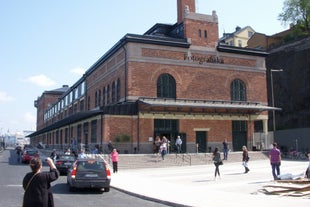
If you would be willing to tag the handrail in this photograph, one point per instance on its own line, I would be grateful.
(186, 158)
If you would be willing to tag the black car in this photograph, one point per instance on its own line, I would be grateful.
(89, 173)
(64, 162)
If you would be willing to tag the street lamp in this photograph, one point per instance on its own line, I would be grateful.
(272, 98)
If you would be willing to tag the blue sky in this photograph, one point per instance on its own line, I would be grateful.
(46, 44)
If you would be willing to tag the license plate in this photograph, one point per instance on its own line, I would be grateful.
(67, 163)
(91, 175)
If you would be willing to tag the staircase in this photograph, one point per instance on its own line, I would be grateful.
(134, 161)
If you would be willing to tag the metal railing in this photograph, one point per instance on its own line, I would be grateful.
(186, 158)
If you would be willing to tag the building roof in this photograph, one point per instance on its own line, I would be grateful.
(210, 105)
(235, 33)
(242, 50)
(66, 121)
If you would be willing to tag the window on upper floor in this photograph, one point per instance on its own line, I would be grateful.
(113, 92)
(166, 86)
(206, 34)
(99, 97)
(250, 34)
(118, 90)
(238, 90)
(96, 99)
(104, 94)
(199, 33)
(82, 103)
(108, 94)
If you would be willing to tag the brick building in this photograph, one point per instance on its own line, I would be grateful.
(173, 80)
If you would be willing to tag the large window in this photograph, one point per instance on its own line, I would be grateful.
(166, 86)
(108, 94)
(118, 90)
(238, 90)
(113, 92)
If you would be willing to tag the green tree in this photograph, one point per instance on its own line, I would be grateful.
(296, 12)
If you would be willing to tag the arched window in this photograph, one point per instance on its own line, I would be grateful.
(118, 90)
(166, 86)
(238, 90)
(113, 92)
(108, 94)
(99, 98)
(104, 94)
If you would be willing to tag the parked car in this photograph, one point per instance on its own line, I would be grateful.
(89, 173)
(28, 146)
(64, 162)
(29, 154)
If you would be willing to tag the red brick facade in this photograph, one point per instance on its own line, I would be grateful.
(122, 92)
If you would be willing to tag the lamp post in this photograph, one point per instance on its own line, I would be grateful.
(272, 98)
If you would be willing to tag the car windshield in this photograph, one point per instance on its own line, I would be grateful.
(66, 157)
(90, 165)
(31, 152)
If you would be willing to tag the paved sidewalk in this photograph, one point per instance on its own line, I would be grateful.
(195, 185)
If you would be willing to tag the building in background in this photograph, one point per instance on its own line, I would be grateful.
(175, 79)
(238, 38)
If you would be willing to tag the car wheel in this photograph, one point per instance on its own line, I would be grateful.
(107, 189)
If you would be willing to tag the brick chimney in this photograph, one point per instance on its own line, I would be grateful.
(185, 4)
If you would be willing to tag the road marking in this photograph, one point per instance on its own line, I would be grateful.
(14, 185)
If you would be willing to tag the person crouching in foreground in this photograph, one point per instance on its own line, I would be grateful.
(37, 184)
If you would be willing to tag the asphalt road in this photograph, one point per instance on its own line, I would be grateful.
(11, 191)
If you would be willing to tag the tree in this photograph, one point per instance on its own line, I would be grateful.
(296, 12)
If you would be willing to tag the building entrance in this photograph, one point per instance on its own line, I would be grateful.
(239, 135)
(169, 129)
(201, 141)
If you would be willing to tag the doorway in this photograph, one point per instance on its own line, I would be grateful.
(201, 141)
(239, 134)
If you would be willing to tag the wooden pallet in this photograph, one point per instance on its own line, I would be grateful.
(297, 188)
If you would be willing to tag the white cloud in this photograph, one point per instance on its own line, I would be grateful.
(41, 80)
(78, 71)
(4, 97)
(30, 118)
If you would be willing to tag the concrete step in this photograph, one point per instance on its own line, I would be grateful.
(133, 161)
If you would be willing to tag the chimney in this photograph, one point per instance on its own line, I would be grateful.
(185, 4)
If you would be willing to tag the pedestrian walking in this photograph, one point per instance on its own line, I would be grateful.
(217, 162)
(157, 144)
(114, 158)
(19, 153)
(245, 159)
(110, 146)
(275, 160)
(178, 144)
(54, 155)
(163, 149)
(225, 149)
(37, 184)
(82, 154)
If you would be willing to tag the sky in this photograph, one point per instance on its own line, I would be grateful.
(47, 44)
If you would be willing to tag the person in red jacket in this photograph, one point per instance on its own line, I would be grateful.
(114, 158)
